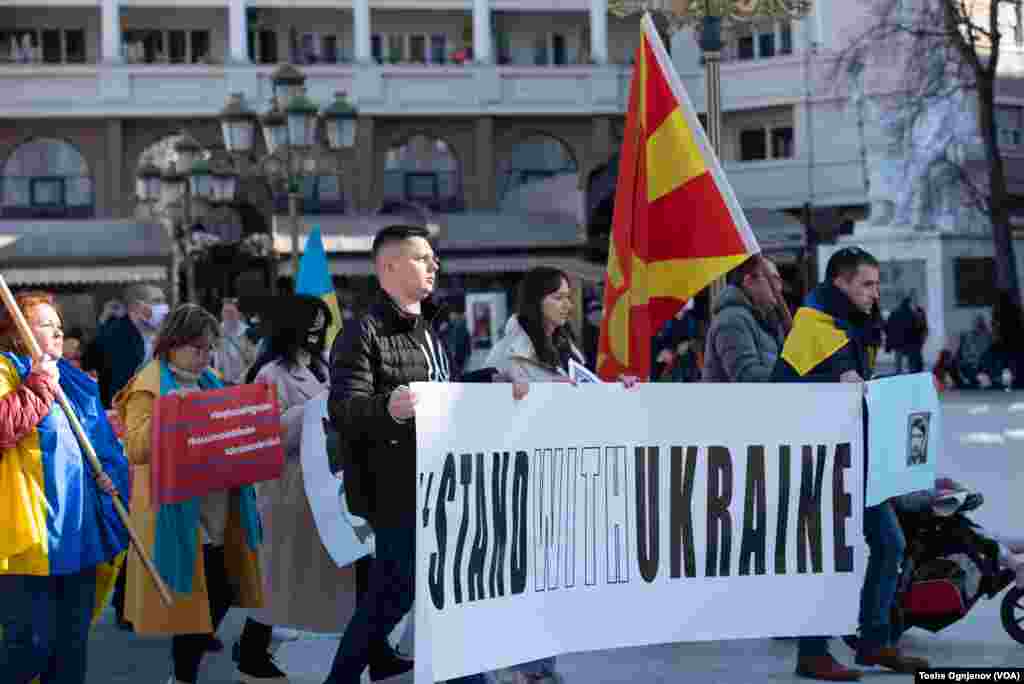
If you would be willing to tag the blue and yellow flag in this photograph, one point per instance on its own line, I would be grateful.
(315, 279)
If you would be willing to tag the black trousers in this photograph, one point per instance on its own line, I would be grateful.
(187, 650)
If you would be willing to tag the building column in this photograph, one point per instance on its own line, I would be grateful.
(116, 168)
(366, 162)
(361, 31)
(238, 31)
(483, 143)
(110, 29)
(482, 32)
(599, 31)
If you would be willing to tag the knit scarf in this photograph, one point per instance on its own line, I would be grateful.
(177, 540)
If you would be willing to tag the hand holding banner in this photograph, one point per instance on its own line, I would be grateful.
(215, 440)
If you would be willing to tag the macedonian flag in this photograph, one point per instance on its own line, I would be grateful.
(677, 225)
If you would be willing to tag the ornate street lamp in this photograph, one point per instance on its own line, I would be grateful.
(238, 125)
(173, 184)
(290, 135)
(225, 184)
(301, 113)
(201, 180)
(340, 121)
(147, 182)
(287, 81)
(275, 127)
(188, 151)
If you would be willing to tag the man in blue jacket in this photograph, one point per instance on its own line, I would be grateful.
(831, 342)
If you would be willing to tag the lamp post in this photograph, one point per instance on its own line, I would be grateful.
(172, 193)
(290, 134)
(710, 16)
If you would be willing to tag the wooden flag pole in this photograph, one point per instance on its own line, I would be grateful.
(35, 352)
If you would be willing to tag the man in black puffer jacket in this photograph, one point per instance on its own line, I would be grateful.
(373, 362)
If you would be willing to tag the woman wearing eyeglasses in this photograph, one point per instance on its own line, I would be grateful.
(205, 547)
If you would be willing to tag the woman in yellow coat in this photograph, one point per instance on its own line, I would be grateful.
(205, 548)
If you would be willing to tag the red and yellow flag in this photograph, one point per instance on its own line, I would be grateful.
(677, 225)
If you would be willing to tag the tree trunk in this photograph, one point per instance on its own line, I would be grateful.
(1002, 235)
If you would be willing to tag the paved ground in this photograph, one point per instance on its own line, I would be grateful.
(984, 448)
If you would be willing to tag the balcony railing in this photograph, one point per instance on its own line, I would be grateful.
(201, 90)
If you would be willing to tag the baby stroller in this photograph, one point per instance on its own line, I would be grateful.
(950, 564)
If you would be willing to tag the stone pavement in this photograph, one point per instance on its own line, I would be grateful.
(991, 464)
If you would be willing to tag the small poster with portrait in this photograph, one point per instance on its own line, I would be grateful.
(486, 313)
(904, 436)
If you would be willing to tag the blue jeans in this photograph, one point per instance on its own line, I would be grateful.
(45, 623)
(388, 598)
(887, 545)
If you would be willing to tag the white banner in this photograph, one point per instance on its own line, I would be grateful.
(595, 517)
(346, 537)
(904, 435)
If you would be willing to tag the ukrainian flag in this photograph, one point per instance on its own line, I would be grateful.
(315, 279)
(55, 519)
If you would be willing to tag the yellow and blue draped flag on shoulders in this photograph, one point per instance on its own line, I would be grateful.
(816, 337)
(56, 519)
(315, 279)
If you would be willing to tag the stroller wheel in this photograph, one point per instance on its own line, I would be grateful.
(1013, 614)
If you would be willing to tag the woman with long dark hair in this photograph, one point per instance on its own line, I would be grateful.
(537, 347)
(303, 587)
(539, 342)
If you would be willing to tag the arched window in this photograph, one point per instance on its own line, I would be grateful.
(423, 171)
(535, 158)
(46, 178)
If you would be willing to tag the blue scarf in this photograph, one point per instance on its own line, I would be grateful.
(176, 541)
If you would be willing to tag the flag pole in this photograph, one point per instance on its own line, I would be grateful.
(35, 352)
(711, 47)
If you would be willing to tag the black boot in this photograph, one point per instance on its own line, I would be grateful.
(385, 663)
(252, 653)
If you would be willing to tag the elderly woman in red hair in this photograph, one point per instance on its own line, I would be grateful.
(62, 539)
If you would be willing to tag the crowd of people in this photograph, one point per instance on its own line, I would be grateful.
(257, 547)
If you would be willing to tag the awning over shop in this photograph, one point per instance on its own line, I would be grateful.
(466, 264)
(477, 231)
(70, 252)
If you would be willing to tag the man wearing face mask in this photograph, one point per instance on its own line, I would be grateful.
(123, 344)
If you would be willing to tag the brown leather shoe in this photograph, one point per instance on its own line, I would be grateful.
(826, 668)
(890, 658)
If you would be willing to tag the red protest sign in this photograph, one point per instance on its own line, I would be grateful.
(215, 440)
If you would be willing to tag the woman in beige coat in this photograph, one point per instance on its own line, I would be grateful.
(303, 587)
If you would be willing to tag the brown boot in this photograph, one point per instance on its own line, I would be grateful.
(890, 658)
(825, 667)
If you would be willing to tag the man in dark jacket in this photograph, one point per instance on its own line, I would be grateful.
(830, 342)
(905, 334)
(373, 362)
(123, 343)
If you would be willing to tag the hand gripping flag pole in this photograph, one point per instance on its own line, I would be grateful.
(30, 341)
